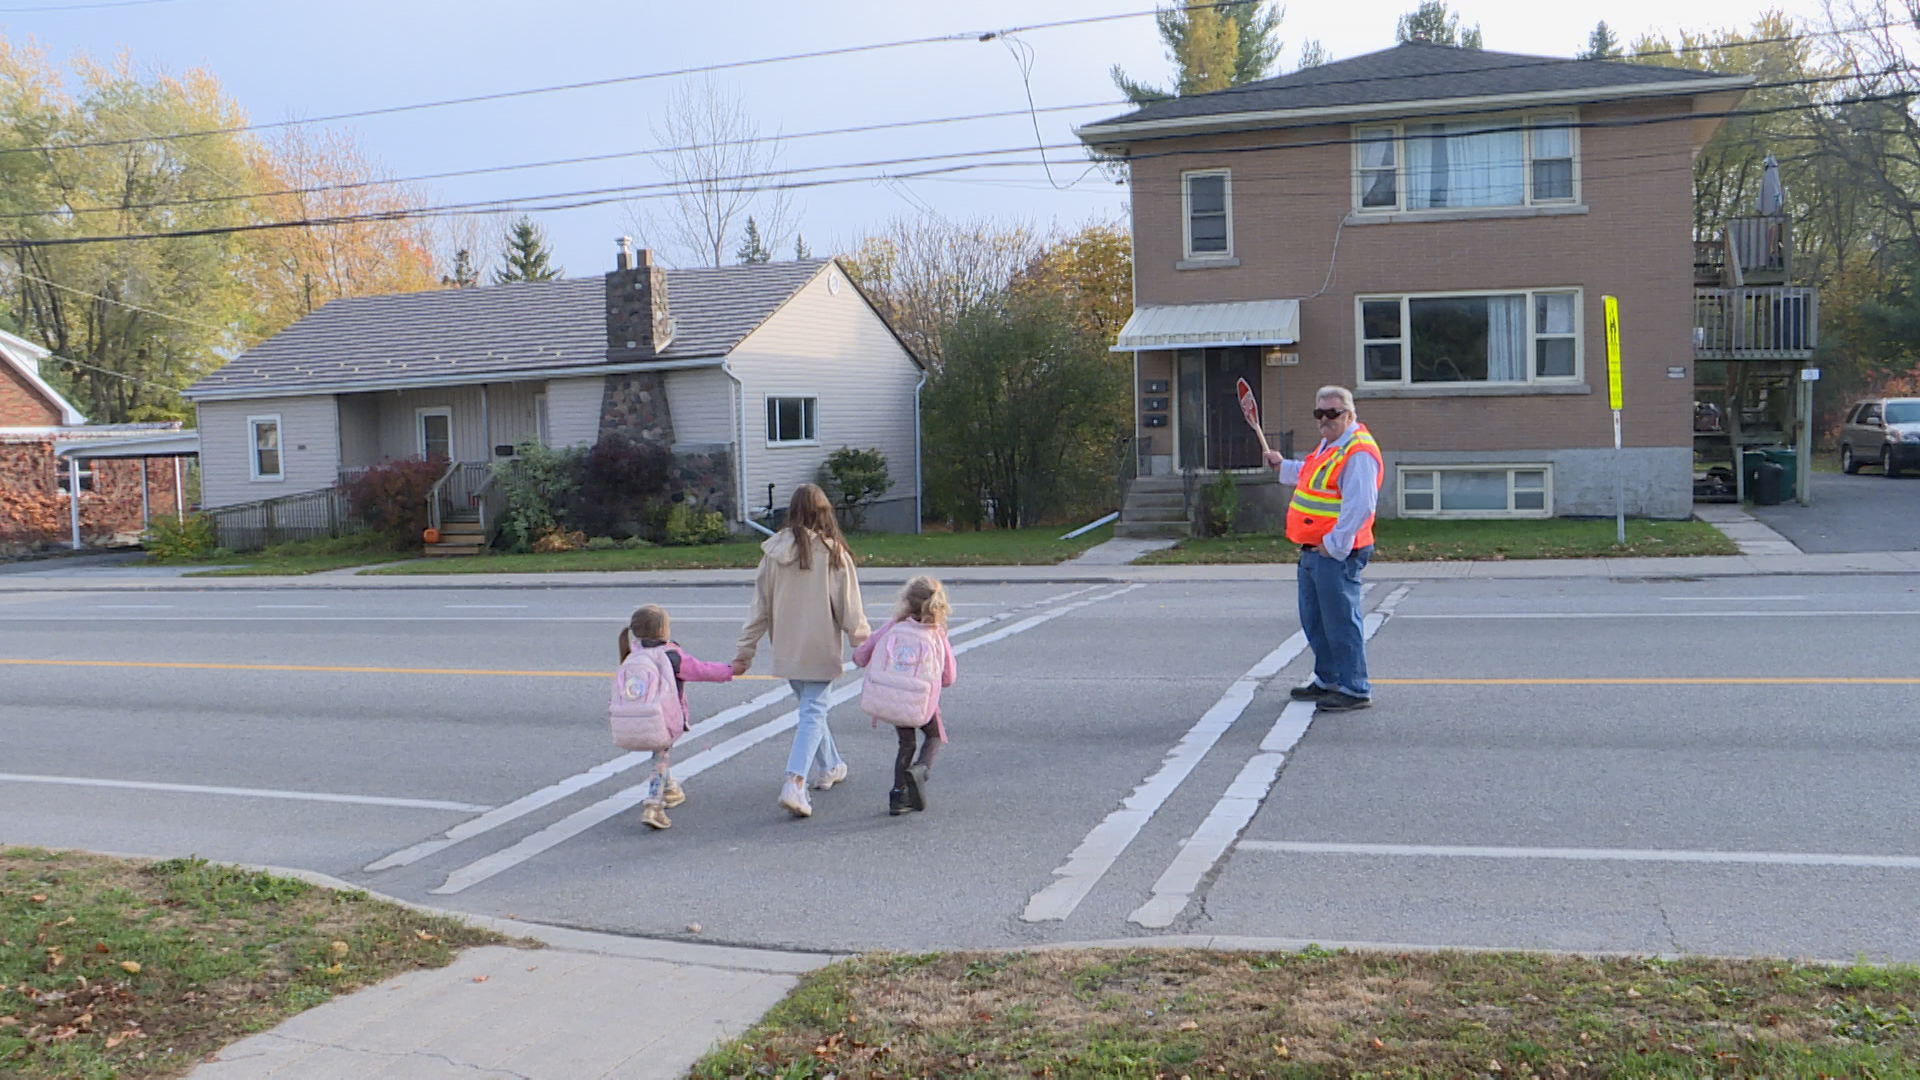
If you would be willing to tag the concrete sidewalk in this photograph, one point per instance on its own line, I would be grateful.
(586, 1006)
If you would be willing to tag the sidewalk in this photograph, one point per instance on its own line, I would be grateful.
(586, 1006)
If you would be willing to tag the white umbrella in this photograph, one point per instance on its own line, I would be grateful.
(1772, 196)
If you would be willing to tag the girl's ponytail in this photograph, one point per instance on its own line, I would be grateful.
(626, 644)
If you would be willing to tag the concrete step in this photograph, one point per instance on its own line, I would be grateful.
(1154, 514)
(1155, 498)
(1157, 483)
(442, 550)
(1152, 530)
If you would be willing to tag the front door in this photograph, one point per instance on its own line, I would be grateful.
(436, 433)
(1212, 433)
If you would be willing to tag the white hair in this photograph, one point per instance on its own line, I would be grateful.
(1339, 393)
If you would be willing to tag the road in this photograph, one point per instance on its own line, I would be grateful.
(1868, 511)
(1721, 766)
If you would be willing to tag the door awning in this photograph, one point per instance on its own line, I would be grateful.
(1199, 326)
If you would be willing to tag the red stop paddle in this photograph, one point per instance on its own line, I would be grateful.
(1250, 409)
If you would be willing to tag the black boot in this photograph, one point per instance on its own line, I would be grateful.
(897, 802)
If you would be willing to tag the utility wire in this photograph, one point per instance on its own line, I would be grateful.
(57, 8)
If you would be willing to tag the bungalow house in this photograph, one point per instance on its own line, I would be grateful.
(751, 374)
(1435, 228)
(125, 473)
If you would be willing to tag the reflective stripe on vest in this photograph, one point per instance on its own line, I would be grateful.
(1316, 497)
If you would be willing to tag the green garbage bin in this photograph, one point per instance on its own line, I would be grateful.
(1788, 459)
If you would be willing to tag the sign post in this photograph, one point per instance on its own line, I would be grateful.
(1613, 398)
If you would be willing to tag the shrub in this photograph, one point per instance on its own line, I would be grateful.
(170, 538)
(853, 479)
(602, 543)
(1220, 504)
(536, 482)
(617, 477)
(392, 498)
(687, 524)
(635, 543)
(560, 540)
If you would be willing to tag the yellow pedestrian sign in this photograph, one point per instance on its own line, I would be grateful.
(1613, 350)
(1613, 396)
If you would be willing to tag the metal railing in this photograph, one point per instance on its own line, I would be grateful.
(306, 516)
(1127, 466)
(1756, 322)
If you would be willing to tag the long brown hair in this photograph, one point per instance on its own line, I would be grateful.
(810, 514)
(648, 623)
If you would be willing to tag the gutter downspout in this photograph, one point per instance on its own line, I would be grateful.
(919, 468)
(739, 447)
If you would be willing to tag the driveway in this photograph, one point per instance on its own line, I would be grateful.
(1864, 512)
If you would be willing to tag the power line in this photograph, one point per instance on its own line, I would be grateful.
(57, 8)
(117, 303)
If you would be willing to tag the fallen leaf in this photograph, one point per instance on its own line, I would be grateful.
(339, 948)
(1281, 1048)
(1632, 993)
(68, 921)
(1377, 1044)
(62, 1034)
(131, 967)
(481, 978)
(423, 935)
(693, 928)
(8, 1021)
(101, 947)
(1189, 1025)
(38, 898)
(336, 969)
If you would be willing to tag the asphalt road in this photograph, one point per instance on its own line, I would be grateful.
(1124, 763)
(1867, 511)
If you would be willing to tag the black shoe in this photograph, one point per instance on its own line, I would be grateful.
(1312, 691)
(1341, 701)
(897, 802)
(916, 787)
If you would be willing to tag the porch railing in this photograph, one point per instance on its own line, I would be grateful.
(1756, 322)
(307, 516)
(1761, 247)
(467, 487)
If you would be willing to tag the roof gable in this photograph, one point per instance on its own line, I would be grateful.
(1409, 75)
(24, 358)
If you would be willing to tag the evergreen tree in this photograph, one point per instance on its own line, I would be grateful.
(1313, 54)
(1432, 22)
(752, 248)
(800, 248)
(1213, 46)
(464, 275)
(527, 258)
(1602, 44)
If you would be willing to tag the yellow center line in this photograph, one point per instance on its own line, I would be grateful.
(1708, 680)
(340, 669)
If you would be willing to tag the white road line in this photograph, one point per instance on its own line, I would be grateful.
(1442, 851)
(1660, 614)
(484, 607)
(129, 607)
(581, 820)
(614, 620)
(1204, 849)
(560, 789)
(249, 793)
(293, 607)
(1729, 599)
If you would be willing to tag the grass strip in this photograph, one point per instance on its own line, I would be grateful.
(307, 557)
(988, 547)
(123, 968)
(1192, 1014)
(1411, 540)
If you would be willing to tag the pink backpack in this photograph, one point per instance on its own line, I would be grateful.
(904, 674)
(645, 708)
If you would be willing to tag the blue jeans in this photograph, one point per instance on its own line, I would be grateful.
(812, 742)
(1330, 617)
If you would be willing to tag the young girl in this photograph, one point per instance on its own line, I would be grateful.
(651, 628)
(923, 601)
(806, 599)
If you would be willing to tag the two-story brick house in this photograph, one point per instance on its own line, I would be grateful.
(1435, 228)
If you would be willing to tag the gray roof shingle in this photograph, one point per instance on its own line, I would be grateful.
(1410, 73)
(523, 330)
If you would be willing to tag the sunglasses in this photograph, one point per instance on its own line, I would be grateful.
(1329, 414)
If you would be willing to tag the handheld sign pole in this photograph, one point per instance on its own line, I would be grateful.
(1613, 397)
(1250, 409)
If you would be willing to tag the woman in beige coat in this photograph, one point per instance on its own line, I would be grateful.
(806, 598)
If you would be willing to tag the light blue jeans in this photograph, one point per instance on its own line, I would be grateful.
(812, 742)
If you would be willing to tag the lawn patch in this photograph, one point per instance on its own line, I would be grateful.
(122, 968)
(1155, 1013)
(1412, 540)
(308, 557)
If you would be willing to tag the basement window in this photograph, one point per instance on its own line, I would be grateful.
(1476, 491)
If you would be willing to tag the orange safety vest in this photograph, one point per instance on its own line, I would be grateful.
(1316, 497)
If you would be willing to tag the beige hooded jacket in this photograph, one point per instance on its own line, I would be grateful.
(804, 612)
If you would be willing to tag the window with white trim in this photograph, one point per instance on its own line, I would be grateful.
(1521, 159)
(540, 429)
(1476, 491)
(1469, 338)
(790, 420)
(1207, 198)
(63, 476)
(263, 442)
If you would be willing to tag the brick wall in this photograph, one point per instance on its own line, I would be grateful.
(21, 405)
(1634, 242)
(34, 512)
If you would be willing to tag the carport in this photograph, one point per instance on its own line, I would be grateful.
(175, 445)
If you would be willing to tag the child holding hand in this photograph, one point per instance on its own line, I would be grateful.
(661, 717)
(908, 661)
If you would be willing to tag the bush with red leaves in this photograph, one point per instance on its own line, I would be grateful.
(392, 498)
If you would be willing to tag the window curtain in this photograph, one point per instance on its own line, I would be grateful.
(1506, 339)
(1452, 165)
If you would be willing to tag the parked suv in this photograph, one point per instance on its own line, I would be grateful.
(1884, 432)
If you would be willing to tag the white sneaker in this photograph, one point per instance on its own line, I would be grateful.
(793, 797)
(830, 777)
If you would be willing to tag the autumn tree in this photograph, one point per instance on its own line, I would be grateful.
(1433, 23)
(527, 256)
(1212, 46)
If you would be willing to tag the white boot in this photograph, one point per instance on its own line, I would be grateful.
(793, 797)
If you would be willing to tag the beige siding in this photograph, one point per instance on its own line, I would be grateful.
(832, 347)
(309, 448)
(400, 424)
(701, 400)
(510, 412)
(573, 410)
(359, 430)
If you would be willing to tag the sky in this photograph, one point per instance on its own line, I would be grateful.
(283, 60)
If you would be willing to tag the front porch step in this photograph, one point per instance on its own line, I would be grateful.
(1152, 530)
(453, 529)
(443, 549)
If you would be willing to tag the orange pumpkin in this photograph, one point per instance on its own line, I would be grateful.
(431, 536)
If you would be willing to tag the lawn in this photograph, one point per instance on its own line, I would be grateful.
(307, 557)
(122, 968)
(1408, 540)
(1192, 1014)
(991, 547)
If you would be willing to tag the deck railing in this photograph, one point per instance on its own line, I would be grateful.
(1756, 322)
(1762, 247)
(307, 516)
(466, 487)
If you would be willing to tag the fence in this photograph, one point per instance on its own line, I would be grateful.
(307, 516)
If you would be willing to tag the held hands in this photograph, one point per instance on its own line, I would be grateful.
(1273, 459)
(740, 667)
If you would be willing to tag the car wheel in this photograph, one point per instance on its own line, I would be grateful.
(1848, 463)
(1887, 460)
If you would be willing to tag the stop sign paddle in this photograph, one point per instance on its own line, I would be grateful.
(1250, 409)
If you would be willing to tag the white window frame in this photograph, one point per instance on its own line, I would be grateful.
(1533, 336)
(420, 428)
(541, 425)
(1546, 489)
(1186, 214)
(1528, 120)
(253, 448)
(810, 410)
(62, 475)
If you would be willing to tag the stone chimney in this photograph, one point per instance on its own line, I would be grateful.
(638, 324)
